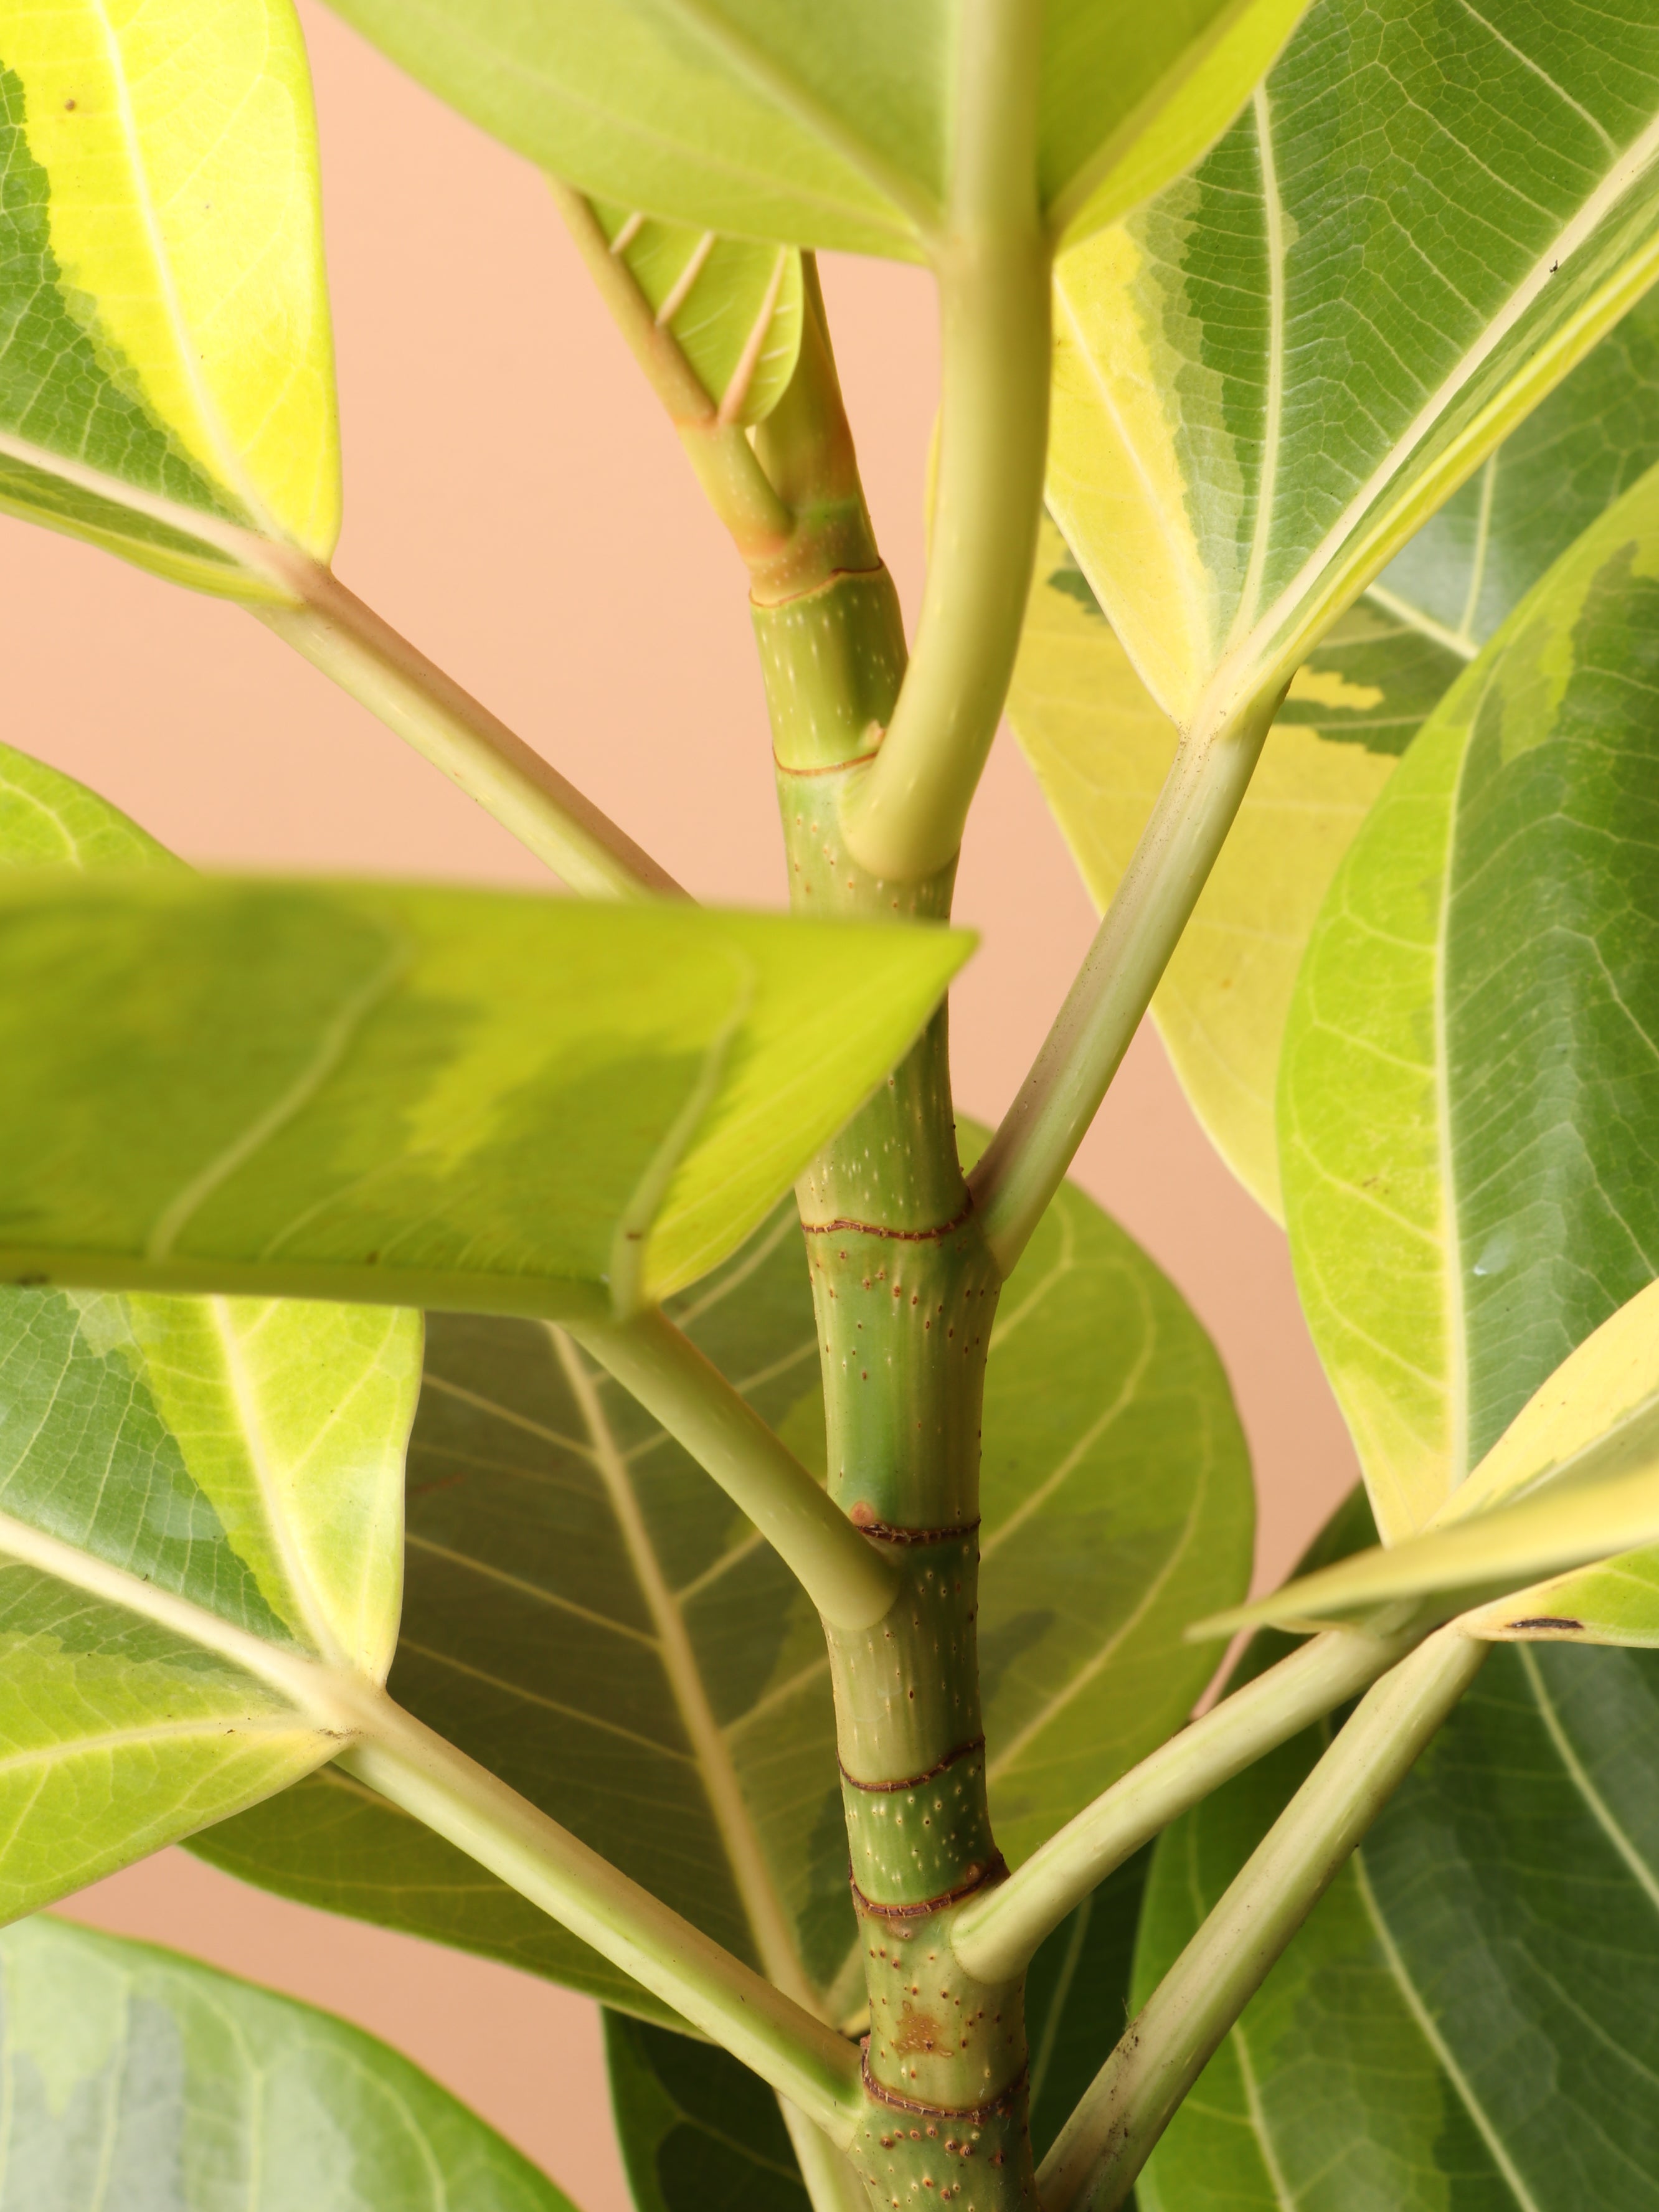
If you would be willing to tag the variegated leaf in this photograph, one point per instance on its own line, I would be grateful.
(167, 381)
(1101, 747)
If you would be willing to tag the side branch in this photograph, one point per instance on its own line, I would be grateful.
(996, 1935)
(366, 657)
(904, 816)
(1026, 1161)
(847, 1579)
(406, 1762)
(1107, 2141)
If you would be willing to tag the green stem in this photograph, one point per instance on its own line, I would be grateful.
(1108, 2139)
(383, 672)
(417, 1770)
(832, 2185)
(1026, 1161)
(903, 814)
(996, 1934)
(848, 1582)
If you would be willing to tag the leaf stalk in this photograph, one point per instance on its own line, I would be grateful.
(1109, 2138)
(903, 815)
(1026, 1161)
(414, 1768)
(847, 1579)
(996, 1935)
(367, 657)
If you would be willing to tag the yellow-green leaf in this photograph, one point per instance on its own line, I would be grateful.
(1574, 1478)
(201, 1517)
(733, 307)
(166, 385)
(1268, 378)
(1101, 747)
(831, 126)
(1467, 1115)
(422, 1096)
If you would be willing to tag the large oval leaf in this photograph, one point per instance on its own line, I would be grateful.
(200, 1518)
(167, 378)
(137, 2077)
(587, 1613)
(1267, 380)
(1468, 1113)
(1466, 2018)
(1101, 747)
(781, 119)
(432, 1096)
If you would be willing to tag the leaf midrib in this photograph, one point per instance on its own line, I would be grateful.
(188, 351)
(1231, 675)
(1423, 2021)
(758, 1892)
(321, 1695)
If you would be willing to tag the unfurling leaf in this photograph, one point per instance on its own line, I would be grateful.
(1467, 1112)
(600, 1623)
(201, 1505)
(785, 120)
(197, 2091)
(1101, 747)
(431, 1097)
(732, 307)
(166, 379)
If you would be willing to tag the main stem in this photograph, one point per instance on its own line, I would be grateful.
(905, 1289)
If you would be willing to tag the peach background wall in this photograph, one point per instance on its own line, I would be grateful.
(515, 505)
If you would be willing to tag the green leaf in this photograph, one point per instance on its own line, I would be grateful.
(1268, 378)
(832, 127)
(1465, 1115)
(200, 1518)
(439, 1097)
(591, 1617)
(697, 2131)
(732, 307)
(166, 375)
(1101, 747)
(1466, 2018)
(138, 2077)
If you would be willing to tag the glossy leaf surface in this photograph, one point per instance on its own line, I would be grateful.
(1467, 1115)
(442, 1097)
(588, 1615)
(1466, 2019)
(1574, 1479)
(1271, 375)
(166, 379)
(1101, 747)
(137, 2077)
(243, 1460)
(733, 307)
(824, 126)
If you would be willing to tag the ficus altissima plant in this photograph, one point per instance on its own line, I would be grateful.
(530, 1420)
